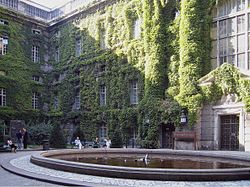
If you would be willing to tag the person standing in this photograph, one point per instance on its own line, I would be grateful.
(25, 138)
(78, 143)
(108, 142)
(19, 136)
(96, 143)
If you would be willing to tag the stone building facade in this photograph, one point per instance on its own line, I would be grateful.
(84, 64)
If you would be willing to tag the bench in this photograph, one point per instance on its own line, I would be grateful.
(5, 148)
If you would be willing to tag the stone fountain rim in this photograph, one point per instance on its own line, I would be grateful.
(44, 160)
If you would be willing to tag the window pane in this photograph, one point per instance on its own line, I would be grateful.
(240, 5)
(78, 47)
(248, 61)
(223, 60)
(248, 20)
(103, 95)
(2, 97)
(231, 8)
(222, 28)
(231, 26)
(134, 92)
(137, 29)
(241, 60)
(231, 59)
(241, 24)
(223, 47)
(222, 9)
(77, 101)
(103, 39)
(241, 43)
(231, 45)
(248, 41)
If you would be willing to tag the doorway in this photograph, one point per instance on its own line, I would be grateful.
(230, 132)
(167, 136)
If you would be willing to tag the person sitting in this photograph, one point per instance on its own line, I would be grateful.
(78, 143)
(12, 145)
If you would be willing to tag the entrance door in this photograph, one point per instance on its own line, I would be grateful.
(230, 132)
(167, 136)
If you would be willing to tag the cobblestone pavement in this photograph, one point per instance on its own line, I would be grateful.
(21, 161)
(9, 179)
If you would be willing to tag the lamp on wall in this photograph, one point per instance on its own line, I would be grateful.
(184, 116)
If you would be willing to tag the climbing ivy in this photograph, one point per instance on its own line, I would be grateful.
(167, 61)
(18, 68)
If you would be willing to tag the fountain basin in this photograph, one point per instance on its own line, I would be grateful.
(46, 160)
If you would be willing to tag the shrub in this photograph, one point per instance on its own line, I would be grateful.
(117, 139)
(57, 139)
(39, 132)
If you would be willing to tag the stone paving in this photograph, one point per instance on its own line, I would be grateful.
(9, 179)
(23, 163)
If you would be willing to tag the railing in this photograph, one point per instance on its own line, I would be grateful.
(44, 13)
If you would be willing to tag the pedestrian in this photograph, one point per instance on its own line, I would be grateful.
(78, 143)
(96, 143)
(12, 145)
(108, 142)
(19, 137)
(25, 138)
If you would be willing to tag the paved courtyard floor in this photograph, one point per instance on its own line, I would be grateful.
(19, 164)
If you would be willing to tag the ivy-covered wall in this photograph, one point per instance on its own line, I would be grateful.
(125, 59)
(17, 67)
(167, 62)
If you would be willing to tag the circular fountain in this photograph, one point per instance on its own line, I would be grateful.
(135, 164)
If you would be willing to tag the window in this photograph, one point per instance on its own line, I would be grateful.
(77, 100)
(231, 39)
(137, 29)
(57, 33)
(102, 95)
(57, 77)
(35, 78)
(2, 97)
(35, 54)
(3, 22)
(34, 100)
(2, 73)
(3, 45)
(57, 55)
(10, 3)
(36, 31)
(103, 39)
(78, 47)
(77, 73)
(103, 131)
(102, 68)
(240, 5)
(56, 102)
(133, 92)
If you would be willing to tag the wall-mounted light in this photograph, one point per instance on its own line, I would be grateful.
(184, 116)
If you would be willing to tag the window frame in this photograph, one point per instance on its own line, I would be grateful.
(3, 96)
(35, 99)
(35, 54)
(133, 94)
(103, 95)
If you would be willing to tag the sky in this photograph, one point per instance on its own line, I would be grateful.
(51, 3)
